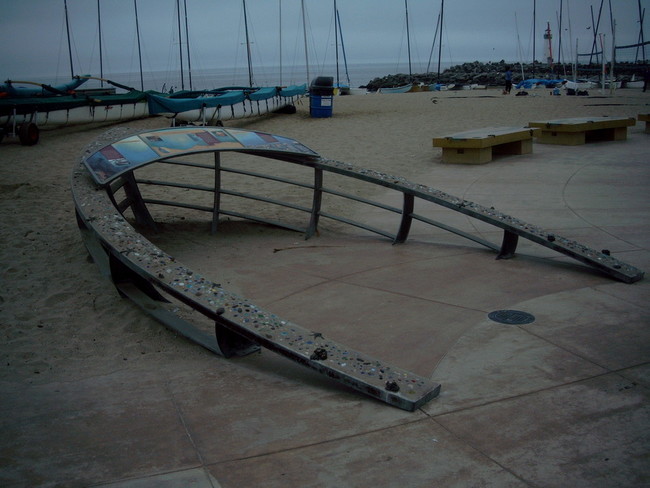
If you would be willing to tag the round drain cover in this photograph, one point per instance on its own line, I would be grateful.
(512, 317)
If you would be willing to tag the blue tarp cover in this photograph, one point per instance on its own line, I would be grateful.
(293, 90)
(10, 91)
(263, 93)
(536, 81)
(160, 104)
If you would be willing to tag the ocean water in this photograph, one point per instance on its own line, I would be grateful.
(359, 74)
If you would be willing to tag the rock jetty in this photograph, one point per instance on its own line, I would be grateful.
(491, 74)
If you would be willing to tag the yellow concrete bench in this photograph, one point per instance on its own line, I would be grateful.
(645, 118)
(478, 146)
(572, 132)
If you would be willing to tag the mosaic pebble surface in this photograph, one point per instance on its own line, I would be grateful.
(584, 123)
(598, 259)
(390, 384)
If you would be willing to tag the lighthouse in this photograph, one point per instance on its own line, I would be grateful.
(548, 49)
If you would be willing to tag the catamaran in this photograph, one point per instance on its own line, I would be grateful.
(211, 107)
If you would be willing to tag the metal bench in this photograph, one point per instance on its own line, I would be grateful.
(478, 146)
(576, 131)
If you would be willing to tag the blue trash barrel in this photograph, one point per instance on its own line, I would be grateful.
(321, 97)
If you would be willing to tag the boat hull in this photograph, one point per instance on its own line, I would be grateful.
(248, 108)
(397, 89)
(78, 115)
(225, 104)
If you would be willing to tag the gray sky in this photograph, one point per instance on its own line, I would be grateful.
(33, 34)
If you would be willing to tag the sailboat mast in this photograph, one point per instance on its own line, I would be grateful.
(336, 44)
(534, 33)
(408, 39)
(248, 47)
(345, 58)
(559, 40)
(519, 50)
(137, 31)
(595, 27)
(641, 39)
(613, 59)
(304, 35)
(67, 28)
(442, 12)
(280, 22)
(101, 58)
(433, 44)
(187, 44)
(180, 42)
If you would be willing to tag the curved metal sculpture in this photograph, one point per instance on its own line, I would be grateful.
(150, 277)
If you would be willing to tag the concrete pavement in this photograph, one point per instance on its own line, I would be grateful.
(562, 401)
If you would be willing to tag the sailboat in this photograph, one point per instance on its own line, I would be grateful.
(24, 110)
(340, 88)
(68, 108)
(210, 107)
(409, 86)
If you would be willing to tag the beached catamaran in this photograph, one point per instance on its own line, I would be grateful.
(211, 107)
(24, 110)
(23, 116)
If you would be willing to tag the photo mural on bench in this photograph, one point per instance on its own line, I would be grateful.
(151, 278)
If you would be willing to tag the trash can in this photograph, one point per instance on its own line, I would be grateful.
(321, 96)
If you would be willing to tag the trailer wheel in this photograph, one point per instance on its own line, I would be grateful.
(28, 134)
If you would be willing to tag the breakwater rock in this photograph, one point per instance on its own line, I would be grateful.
(492, 74)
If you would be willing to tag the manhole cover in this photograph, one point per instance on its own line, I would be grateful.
(512, 317)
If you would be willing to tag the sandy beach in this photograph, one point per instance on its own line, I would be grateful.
(85, 374)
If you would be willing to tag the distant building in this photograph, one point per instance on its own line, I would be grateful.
(548, 49)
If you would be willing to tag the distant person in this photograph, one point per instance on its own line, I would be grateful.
(646, 78)
(508, 87)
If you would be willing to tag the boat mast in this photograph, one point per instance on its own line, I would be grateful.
(137, 31)
(594, 46)
(442, 13)
(345, 59)
(67, 28)
(641, 40)
(433, 44)
(101, 58)
(304, 35)
(534, 33)
(280, 22)
(248, 47)
(187, 43)
(613, 60)
(336, 45)
(559, 39)
(519, 50)
(180, 42)
(408, 39)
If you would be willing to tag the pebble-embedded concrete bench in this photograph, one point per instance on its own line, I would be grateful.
(106, 183)
(478, 146)
(645, 118)
(576, 131)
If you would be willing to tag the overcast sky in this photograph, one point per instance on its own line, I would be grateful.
(34, 43)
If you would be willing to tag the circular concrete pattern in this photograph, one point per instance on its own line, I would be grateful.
(511, 317)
